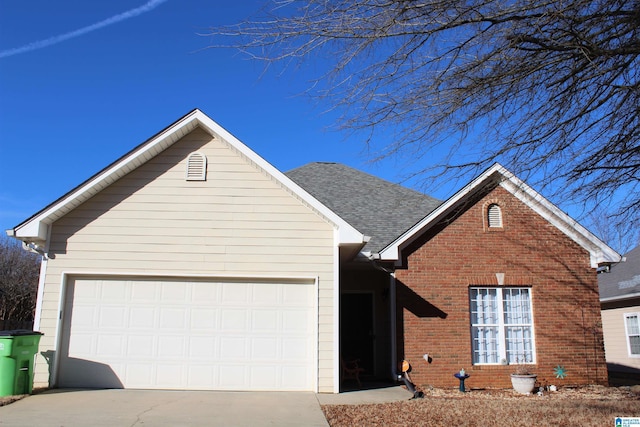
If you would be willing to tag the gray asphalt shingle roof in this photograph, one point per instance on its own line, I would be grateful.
(623, 279)
(375, 207)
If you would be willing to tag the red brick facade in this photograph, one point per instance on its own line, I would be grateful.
(433, 296)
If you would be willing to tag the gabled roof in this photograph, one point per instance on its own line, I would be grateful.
(35, 229)
(378, 208)
(623, 280)
(498, 175)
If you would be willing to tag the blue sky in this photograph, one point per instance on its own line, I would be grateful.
(83, 82)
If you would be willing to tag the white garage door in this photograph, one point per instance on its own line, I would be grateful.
(192, 335)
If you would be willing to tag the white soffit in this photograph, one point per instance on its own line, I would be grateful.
(36, 227)
(599, 251)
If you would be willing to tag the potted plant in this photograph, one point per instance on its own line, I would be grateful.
(522, 380)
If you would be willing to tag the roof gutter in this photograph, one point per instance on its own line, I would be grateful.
(620, 297)
(34, 248)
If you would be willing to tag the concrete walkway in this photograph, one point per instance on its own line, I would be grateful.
(115, 408)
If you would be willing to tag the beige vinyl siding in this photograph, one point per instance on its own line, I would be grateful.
(615, 338)
(152, 221)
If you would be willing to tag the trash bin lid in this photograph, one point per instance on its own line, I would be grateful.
(19, 332)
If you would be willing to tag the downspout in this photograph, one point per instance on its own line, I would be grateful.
(44, 262)
(392, 322)
(336, 321)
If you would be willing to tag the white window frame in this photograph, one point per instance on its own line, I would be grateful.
(501, 355)
(628, 334)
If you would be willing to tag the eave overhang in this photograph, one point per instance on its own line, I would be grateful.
(600, 253)
(35, 229)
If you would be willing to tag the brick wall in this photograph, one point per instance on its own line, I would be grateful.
(433, 296)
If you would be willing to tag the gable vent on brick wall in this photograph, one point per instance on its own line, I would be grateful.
(494, 216)
(196, 167)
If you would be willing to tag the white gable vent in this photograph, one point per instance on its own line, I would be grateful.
(494, 215)
(196, 167)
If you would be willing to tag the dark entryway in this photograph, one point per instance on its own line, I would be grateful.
(357, 340)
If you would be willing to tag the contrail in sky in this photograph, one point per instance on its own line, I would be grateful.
(150, 5)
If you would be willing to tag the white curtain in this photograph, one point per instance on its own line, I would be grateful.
(517, 321)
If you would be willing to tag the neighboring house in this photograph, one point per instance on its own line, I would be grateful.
(620, 301)
(192, 263)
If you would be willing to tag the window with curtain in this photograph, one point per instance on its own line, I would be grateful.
(632, 326)
(501, 325)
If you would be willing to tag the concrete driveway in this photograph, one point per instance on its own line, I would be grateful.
(115, 408)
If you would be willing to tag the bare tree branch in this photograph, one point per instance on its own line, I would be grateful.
(550, 88)
(19, 272)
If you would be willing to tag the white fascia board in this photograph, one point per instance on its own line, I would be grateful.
(347, 234)
(620, 297)
(36, 227)
(392, 251)
(36, 230)
(599, 252)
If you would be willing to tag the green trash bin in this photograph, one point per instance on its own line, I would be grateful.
(17, 351)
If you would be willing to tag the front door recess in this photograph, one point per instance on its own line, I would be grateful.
(357, 330)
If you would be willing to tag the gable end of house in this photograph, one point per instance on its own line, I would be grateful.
(497, 175)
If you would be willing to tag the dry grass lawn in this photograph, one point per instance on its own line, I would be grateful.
(586, 406)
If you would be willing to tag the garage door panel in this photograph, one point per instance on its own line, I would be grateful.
(169, 375)
(264, 376)
(141, 346)
(265, 320)
(204, 319)
(142, 317)
(296, 321)
(233, 320)
(84, 343)
(231, 376)
(111, 345)
(84, 315)
(234, 293)
(233, 348)
(200, 348)
(171, 347)
(173, 318)
(297, 376)
(113, 317)
(294, 349)
(200, 376)
(113, 292)
(266, 349)
(189, 335)
(144, 291)
(263, 295)
(205, 293)
(138, 375)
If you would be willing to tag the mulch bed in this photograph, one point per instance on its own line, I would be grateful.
(584, 406)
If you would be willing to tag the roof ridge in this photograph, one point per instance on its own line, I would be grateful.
(358, 171)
